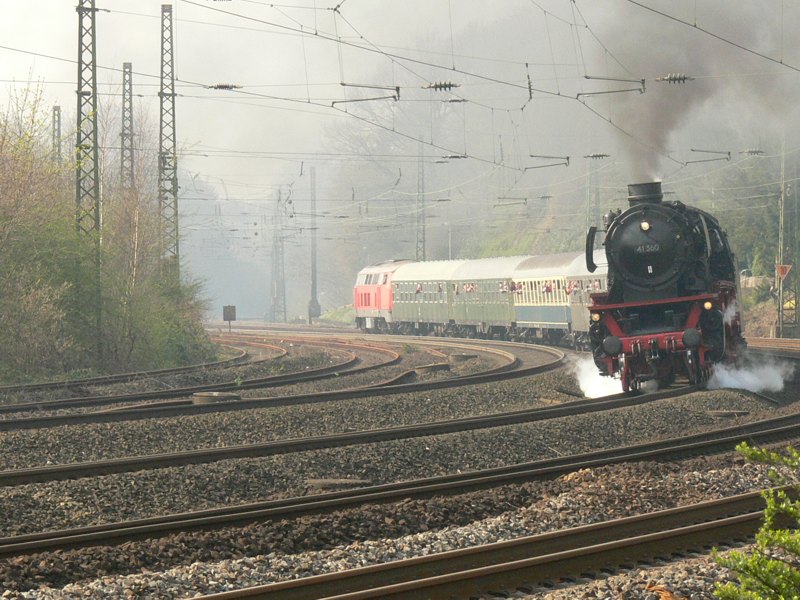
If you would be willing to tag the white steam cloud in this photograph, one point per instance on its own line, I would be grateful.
(592, 384)
(756, 375)
(730, 312)
(762, 376)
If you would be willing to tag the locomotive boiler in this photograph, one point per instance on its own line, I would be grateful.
(670, 307)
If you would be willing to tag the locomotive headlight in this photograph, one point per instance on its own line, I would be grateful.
(707, 305)
(595, 317)
(645, 226)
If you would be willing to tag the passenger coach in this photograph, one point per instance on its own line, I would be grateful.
(465, 298)
(552, 296)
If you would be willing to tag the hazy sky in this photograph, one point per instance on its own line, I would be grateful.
(290, 58)
(533, 78)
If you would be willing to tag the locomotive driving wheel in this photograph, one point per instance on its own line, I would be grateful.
(698, 373)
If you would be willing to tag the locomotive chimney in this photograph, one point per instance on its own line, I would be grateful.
(644, 193)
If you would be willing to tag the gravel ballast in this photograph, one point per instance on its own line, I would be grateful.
(183, 564)
(64, 504)
(263, 553)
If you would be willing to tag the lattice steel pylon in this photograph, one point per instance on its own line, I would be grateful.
(126, 135)
(87, 186)
(87, 163)
(167, 156)
(278, 285)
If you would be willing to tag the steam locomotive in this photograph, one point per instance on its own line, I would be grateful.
(670, 307)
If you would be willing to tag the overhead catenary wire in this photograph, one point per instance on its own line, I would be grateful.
(306, 101)
(715, 36)
(340, 42)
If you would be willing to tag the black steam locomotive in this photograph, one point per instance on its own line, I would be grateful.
(670, 307)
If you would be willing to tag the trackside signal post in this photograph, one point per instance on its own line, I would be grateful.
(314, 309)
(229, 314)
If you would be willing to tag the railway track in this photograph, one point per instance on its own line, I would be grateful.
(199, 456)
(185, 405)
(347, 360)
(347, 364)
(725, 439)
(498, 570)
(240, 355)
(161, 461)
(147, 528)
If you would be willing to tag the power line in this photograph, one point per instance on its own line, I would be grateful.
(374, 49)
(715, 36)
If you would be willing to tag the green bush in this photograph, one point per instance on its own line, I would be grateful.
(772, 570)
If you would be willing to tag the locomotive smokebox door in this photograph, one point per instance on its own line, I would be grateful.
(229, 314)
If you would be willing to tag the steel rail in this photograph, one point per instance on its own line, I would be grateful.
(499, 567)
(349, 360)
